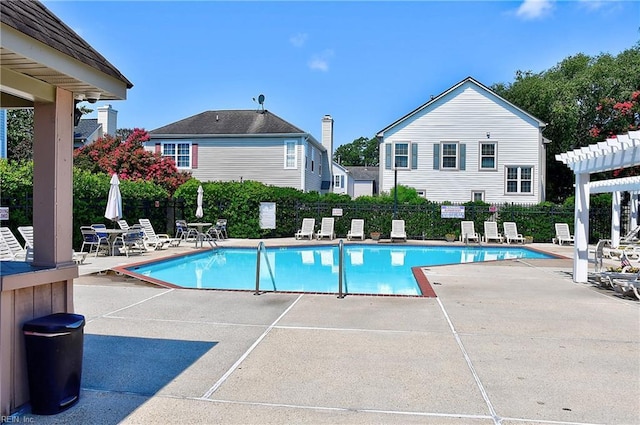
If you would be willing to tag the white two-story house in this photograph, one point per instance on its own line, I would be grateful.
(466, 144)
(237, 145)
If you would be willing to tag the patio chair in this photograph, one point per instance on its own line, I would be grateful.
(631, 236)
(151, 238)
(123, 224)
(468, 232)
(184, 232)
(357, 229)
(92, 240)
(562, 234)
(599, 253)
(15, 250)
(326, 228)
(133, 240)
(626, 284)
(397, 230)
(511, 232)
(5, 251)
(306, 230)
(491, 232)
(221, 226)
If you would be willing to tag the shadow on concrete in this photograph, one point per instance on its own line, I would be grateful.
(136, 365)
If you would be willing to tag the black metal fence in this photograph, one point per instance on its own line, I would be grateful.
(422, 221)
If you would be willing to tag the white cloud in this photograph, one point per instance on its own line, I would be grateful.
(595, 5)
(298, 39)
(533, 9)
(320, 61)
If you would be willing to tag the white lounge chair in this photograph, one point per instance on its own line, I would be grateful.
(563, 234)
(14, 251)
(468, 232)
(627, 284)
(357, 229)
(326, 228)
(123, 224)
(397, 230)
(307, 228)
(631, 236)
(511, 232)
(151, 238)
(491, 232)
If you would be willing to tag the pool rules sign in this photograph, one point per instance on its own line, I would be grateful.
(267, 215)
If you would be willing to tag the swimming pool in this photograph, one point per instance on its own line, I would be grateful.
(368, 269)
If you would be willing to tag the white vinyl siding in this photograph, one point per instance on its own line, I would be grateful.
(290, 154)
(180, 152)
(465, 116)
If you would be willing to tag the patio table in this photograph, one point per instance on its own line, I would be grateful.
(201, 236)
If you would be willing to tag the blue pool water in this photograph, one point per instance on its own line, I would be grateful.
(368, 269)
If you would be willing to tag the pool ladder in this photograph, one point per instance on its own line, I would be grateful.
(261, 248)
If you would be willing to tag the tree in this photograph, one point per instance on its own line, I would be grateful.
(575, 97)
(360, 152)
(20, 134)
(130, 160)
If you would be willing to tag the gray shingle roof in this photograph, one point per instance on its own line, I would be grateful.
(35, 20)
(85, 128)
(240, 122)
(363, 173)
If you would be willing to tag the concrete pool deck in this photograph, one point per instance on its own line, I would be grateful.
(510, 342)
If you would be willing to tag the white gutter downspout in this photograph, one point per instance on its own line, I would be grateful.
(303, 173)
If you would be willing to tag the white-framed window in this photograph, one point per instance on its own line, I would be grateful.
(477, 195)
(290, 154)
(449, 156)
(179, 151)
(401, 155)
(338, 181)
(519, 179)
(488, 155)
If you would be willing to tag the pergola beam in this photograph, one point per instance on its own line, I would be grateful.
(621, 151)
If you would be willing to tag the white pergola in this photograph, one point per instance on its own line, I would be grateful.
(622, 151)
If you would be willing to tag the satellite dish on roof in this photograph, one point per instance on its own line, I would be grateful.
(260, 101)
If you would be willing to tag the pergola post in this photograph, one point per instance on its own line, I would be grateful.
(581, 229)
(615, 219)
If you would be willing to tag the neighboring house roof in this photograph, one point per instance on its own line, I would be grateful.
(364, 173)
(85, 128)
(34, 20)
(229, 122)
(468, 80)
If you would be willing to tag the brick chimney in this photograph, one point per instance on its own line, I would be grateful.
(108, 118)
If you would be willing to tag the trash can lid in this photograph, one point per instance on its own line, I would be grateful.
(54, 323)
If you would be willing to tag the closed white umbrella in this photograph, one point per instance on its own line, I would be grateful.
(114, 201)
(199, 212)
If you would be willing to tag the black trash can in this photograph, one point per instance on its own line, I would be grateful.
(54, 361)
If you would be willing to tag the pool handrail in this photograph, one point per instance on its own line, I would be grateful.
(261, 247)
(340, 267)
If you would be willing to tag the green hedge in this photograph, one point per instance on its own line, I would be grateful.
(239, 203)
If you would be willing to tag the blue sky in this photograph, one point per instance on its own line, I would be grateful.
(365, 63)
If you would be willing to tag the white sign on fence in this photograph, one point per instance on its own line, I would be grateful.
(336, 212)
(452, 211)
(4, 213)
(267, 215)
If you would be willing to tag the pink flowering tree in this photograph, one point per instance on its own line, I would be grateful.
(130, 160)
